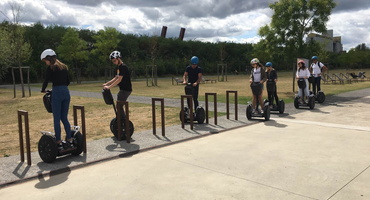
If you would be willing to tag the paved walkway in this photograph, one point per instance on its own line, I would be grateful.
(319, 154)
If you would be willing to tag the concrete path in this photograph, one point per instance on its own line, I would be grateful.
(319, 154)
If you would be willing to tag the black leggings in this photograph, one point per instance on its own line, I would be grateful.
(271, 96)
(195, 97)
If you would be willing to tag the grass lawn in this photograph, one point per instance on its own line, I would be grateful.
(98, 115)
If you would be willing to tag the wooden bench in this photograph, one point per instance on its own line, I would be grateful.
(345, 77)
(177, 80)
(337, 78)
(205, 80)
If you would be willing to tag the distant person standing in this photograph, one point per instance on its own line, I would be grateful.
(193, 75)
(272, 79)
(57, 73)
(316, 69)
(257, 78)
(303, 73)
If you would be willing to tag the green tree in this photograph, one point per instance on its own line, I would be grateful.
(74, 50)
(20, 49)
(4, 51)
(292, 21)
(106, 41)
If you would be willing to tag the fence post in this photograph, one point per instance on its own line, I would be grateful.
(228, 104)
(162, 115)
(83, 124)
(127, 122)
(190, 99)
(20, 126)
(214, 106)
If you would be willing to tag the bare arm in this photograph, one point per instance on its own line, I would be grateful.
(114, 81)
(184, 77)
(200, 75)
(110, 82)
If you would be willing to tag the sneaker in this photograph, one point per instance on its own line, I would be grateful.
(71, 144)
(60, 147)
(67, 145)
(260, 111)
(253, 111)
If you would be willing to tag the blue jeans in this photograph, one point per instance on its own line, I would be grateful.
(60, 104)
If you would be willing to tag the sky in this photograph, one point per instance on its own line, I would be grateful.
(204, 20)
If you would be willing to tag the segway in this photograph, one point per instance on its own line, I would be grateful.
(256, 90)
(48, 147)
(199, 115)
(311, 98)
(320, 96)
(271, 87)
(108, 98)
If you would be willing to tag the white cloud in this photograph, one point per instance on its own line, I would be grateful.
(209, 20)
(353, 27)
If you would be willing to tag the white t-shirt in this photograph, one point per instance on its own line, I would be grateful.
(316, 68)
(257, 74)
(303, 73)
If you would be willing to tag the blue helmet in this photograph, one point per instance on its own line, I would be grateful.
(268, 64)
(194, 60)
(314, 58)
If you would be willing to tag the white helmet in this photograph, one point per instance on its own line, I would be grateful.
(47, 52)
(115, 54)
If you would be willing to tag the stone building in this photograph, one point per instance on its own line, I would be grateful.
(331, 43)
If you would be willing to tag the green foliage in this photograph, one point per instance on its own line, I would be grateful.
(106, 41)
(72, 48)
(4, 51)
(358, 57)
(291, 21)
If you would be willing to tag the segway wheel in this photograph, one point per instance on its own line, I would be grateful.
(266, 112)
(48, 149)
(296, 102)
(249, 112)
(78, 142)
(200, 115)
(321, 97)
(114, 128)
(186, 115)
(311, 102)
(281, 106)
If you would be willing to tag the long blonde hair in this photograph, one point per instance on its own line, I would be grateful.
(56, 64)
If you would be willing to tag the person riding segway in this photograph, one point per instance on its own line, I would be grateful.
(272, 78)
(192, 77)
(123, 80)
(316, 69)
(304, 98)
(57, 102)
(258, 77)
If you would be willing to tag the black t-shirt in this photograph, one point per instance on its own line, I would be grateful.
(56, 76)
(125, 84)
(193, 73)
(271, 75)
